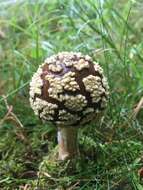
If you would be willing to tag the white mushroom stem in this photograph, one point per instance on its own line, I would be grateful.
(67, 141)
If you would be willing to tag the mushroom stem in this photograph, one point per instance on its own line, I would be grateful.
(67, 141)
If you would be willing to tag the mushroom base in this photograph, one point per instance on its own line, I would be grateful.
(67, 141)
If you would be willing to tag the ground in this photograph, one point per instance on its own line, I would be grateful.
(111, 32)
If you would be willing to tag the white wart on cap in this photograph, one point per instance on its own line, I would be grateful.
(68, 89)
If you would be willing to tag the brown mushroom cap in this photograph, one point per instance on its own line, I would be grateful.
(68, 89)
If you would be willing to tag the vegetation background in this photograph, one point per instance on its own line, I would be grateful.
(111, 31)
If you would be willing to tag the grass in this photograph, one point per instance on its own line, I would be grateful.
(111, 32)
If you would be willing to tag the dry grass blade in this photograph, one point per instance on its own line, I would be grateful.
(138, 108)
(6, 116)
(11, 116)
(2, 35)
(14, 117)
(75, 186)
(25, 187)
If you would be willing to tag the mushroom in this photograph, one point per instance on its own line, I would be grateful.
(69, 90)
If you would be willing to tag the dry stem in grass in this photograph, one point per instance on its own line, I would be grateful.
(138, 108)
(25, 187)
(2, 35)
(11, 116)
